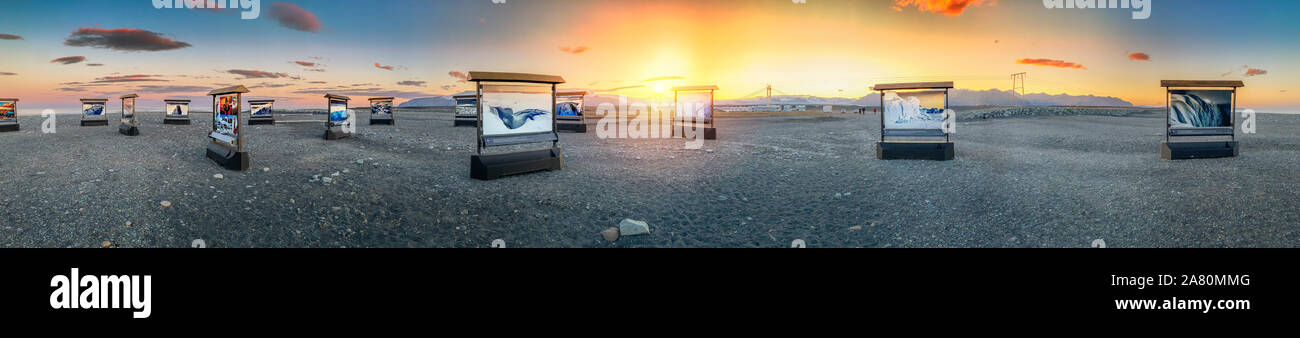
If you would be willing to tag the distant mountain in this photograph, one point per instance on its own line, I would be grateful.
(437, 101)
(957, 97)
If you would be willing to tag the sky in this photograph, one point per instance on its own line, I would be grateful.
(297, 51)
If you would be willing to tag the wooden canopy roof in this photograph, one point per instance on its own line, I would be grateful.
(1201, 83)
(229, 90)
(572, 93)
(93, 100)
(337, 97)
(129, 96)
(913, 85)
(514, 77)
(381, 99)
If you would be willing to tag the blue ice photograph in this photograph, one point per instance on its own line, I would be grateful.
(914, 110)
(1200, 108)
(516, 112)
(381, 108)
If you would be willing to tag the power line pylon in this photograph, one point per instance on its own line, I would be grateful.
(1018, 82)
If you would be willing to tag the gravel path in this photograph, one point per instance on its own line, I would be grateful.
(1060, 181)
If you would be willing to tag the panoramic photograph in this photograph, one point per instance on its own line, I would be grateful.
(735, 124)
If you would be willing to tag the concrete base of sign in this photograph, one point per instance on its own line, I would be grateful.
(710, 133)
(382, 121)
(936, 151)
(1195, 150)
(228, 158)
(8, 126)
(128, 130)
(576, 126)
(494, 166)
(85, 123)
(261, 120)
(176, 121)
(466, 123)
(335, 133)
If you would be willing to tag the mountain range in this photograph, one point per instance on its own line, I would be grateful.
(957, 97)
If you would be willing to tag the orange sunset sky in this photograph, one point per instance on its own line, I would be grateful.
(299, 50)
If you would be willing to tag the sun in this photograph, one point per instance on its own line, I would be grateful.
(659, 88)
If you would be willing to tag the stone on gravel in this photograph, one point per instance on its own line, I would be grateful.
(165, 204)
(855, 228)
(105, 244)
(218, 176)
(265, 169)
(630, 227)
(610, 234)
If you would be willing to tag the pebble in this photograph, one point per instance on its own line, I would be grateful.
(264, 169)
(218, 176)
(610, 234)
(631, 227)
(361, 161)
(855, 228)
(165, 204)
(327, 180)
(105, 244)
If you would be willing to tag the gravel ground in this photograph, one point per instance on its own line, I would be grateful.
(1059, 181)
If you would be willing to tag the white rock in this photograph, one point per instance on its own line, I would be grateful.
(610, 234)
(327, 180)
(218, 176)
(361, 161)
(165, 204)
(630, 227)
(265, 169)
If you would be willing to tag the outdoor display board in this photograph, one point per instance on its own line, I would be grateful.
(515, 109)
(8, 114)
(260, 109)
(227, 146)
(1200, 119)
(568, 106)
(128, 109)
(8, 109)
(225, 118)
(466, 105)
(92, 108)
(177, 108)
(695, 103)
(342, 123)
(381, 110)
(912, 122)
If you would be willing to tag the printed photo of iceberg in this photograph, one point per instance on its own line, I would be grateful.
(568, 109)
(466, 107)
(695, 104)
(914, 110)
(521, 110)
(381, 108)
(92, 109)
(178, 109)
(7, 109)
(1200, 108)
(338, 112)
(261, 109)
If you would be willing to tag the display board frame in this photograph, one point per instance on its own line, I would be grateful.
(230, 155)
(495, 165)
(710, 128)
(9, 123)
(269, 118)
(182, 119)
(577, 123)
(1200, 142)
(377, 118)
(909, 149)
(343, 129)
(130, 126)
(101, 119)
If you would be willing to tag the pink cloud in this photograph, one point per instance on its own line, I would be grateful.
(1051, 63)
(377, 65)
(122, 39)
(293, 17)
(945, 7)
(573, 50)
(67, 60)
(1139, 57)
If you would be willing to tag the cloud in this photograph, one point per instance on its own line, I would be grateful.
(129, 78)
(1139, 57)
(293, 17)
(318, 82)
(256, 74)
(318, 70)
(411, 83)
(945, 7)
(1255, 72)
(377, 65)
(462, 77)
(71, 89)
(448, 87)
(573, 50)
(619, 88)
(1051, 63)
(662, 78)
(171, 89)
(271, 85)
(7, 74)
(67, 60)
(305, 63)
(94, 65)
(10, 37)
(122, 39)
